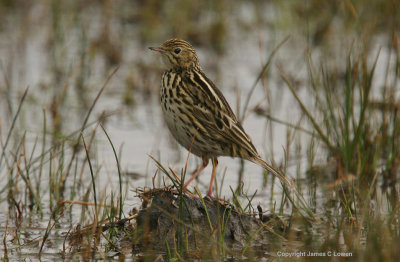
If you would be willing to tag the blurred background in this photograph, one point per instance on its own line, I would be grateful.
(56, 56)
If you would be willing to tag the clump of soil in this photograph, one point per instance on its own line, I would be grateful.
(170, 223)
(173, 225)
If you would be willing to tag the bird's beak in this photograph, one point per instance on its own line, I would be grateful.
(158, 49)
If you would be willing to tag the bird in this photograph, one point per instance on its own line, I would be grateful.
(198, 115)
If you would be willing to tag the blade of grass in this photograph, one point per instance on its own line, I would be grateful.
(13, 125)
(119, 172)
(205, 209)
(92, 175)
(313, 121)
(265, 67)
(172, 178)
(65, 174)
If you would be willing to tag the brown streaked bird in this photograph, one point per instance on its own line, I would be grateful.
(197, 113)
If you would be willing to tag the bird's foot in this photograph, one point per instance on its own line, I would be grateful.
(186, 192)
(213, 198)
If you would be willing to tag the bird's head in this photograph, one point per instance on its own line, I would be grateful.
(178, 54)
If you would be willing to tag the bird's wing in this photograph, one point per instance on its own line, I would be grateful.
(213, 112)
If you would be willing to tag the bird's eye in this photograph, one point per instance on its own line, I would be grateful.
(177, 50)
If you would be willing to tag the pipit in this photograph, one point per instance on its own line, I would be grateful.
(197, 113)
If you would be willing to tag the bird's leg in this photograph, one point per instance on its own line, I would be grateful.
(205, 163)
(215, 164)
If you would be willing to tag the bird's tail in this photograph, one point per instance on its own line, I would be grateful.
(272, 170)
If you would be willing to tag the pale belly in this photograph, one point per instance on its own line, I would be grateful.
(181, 131)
